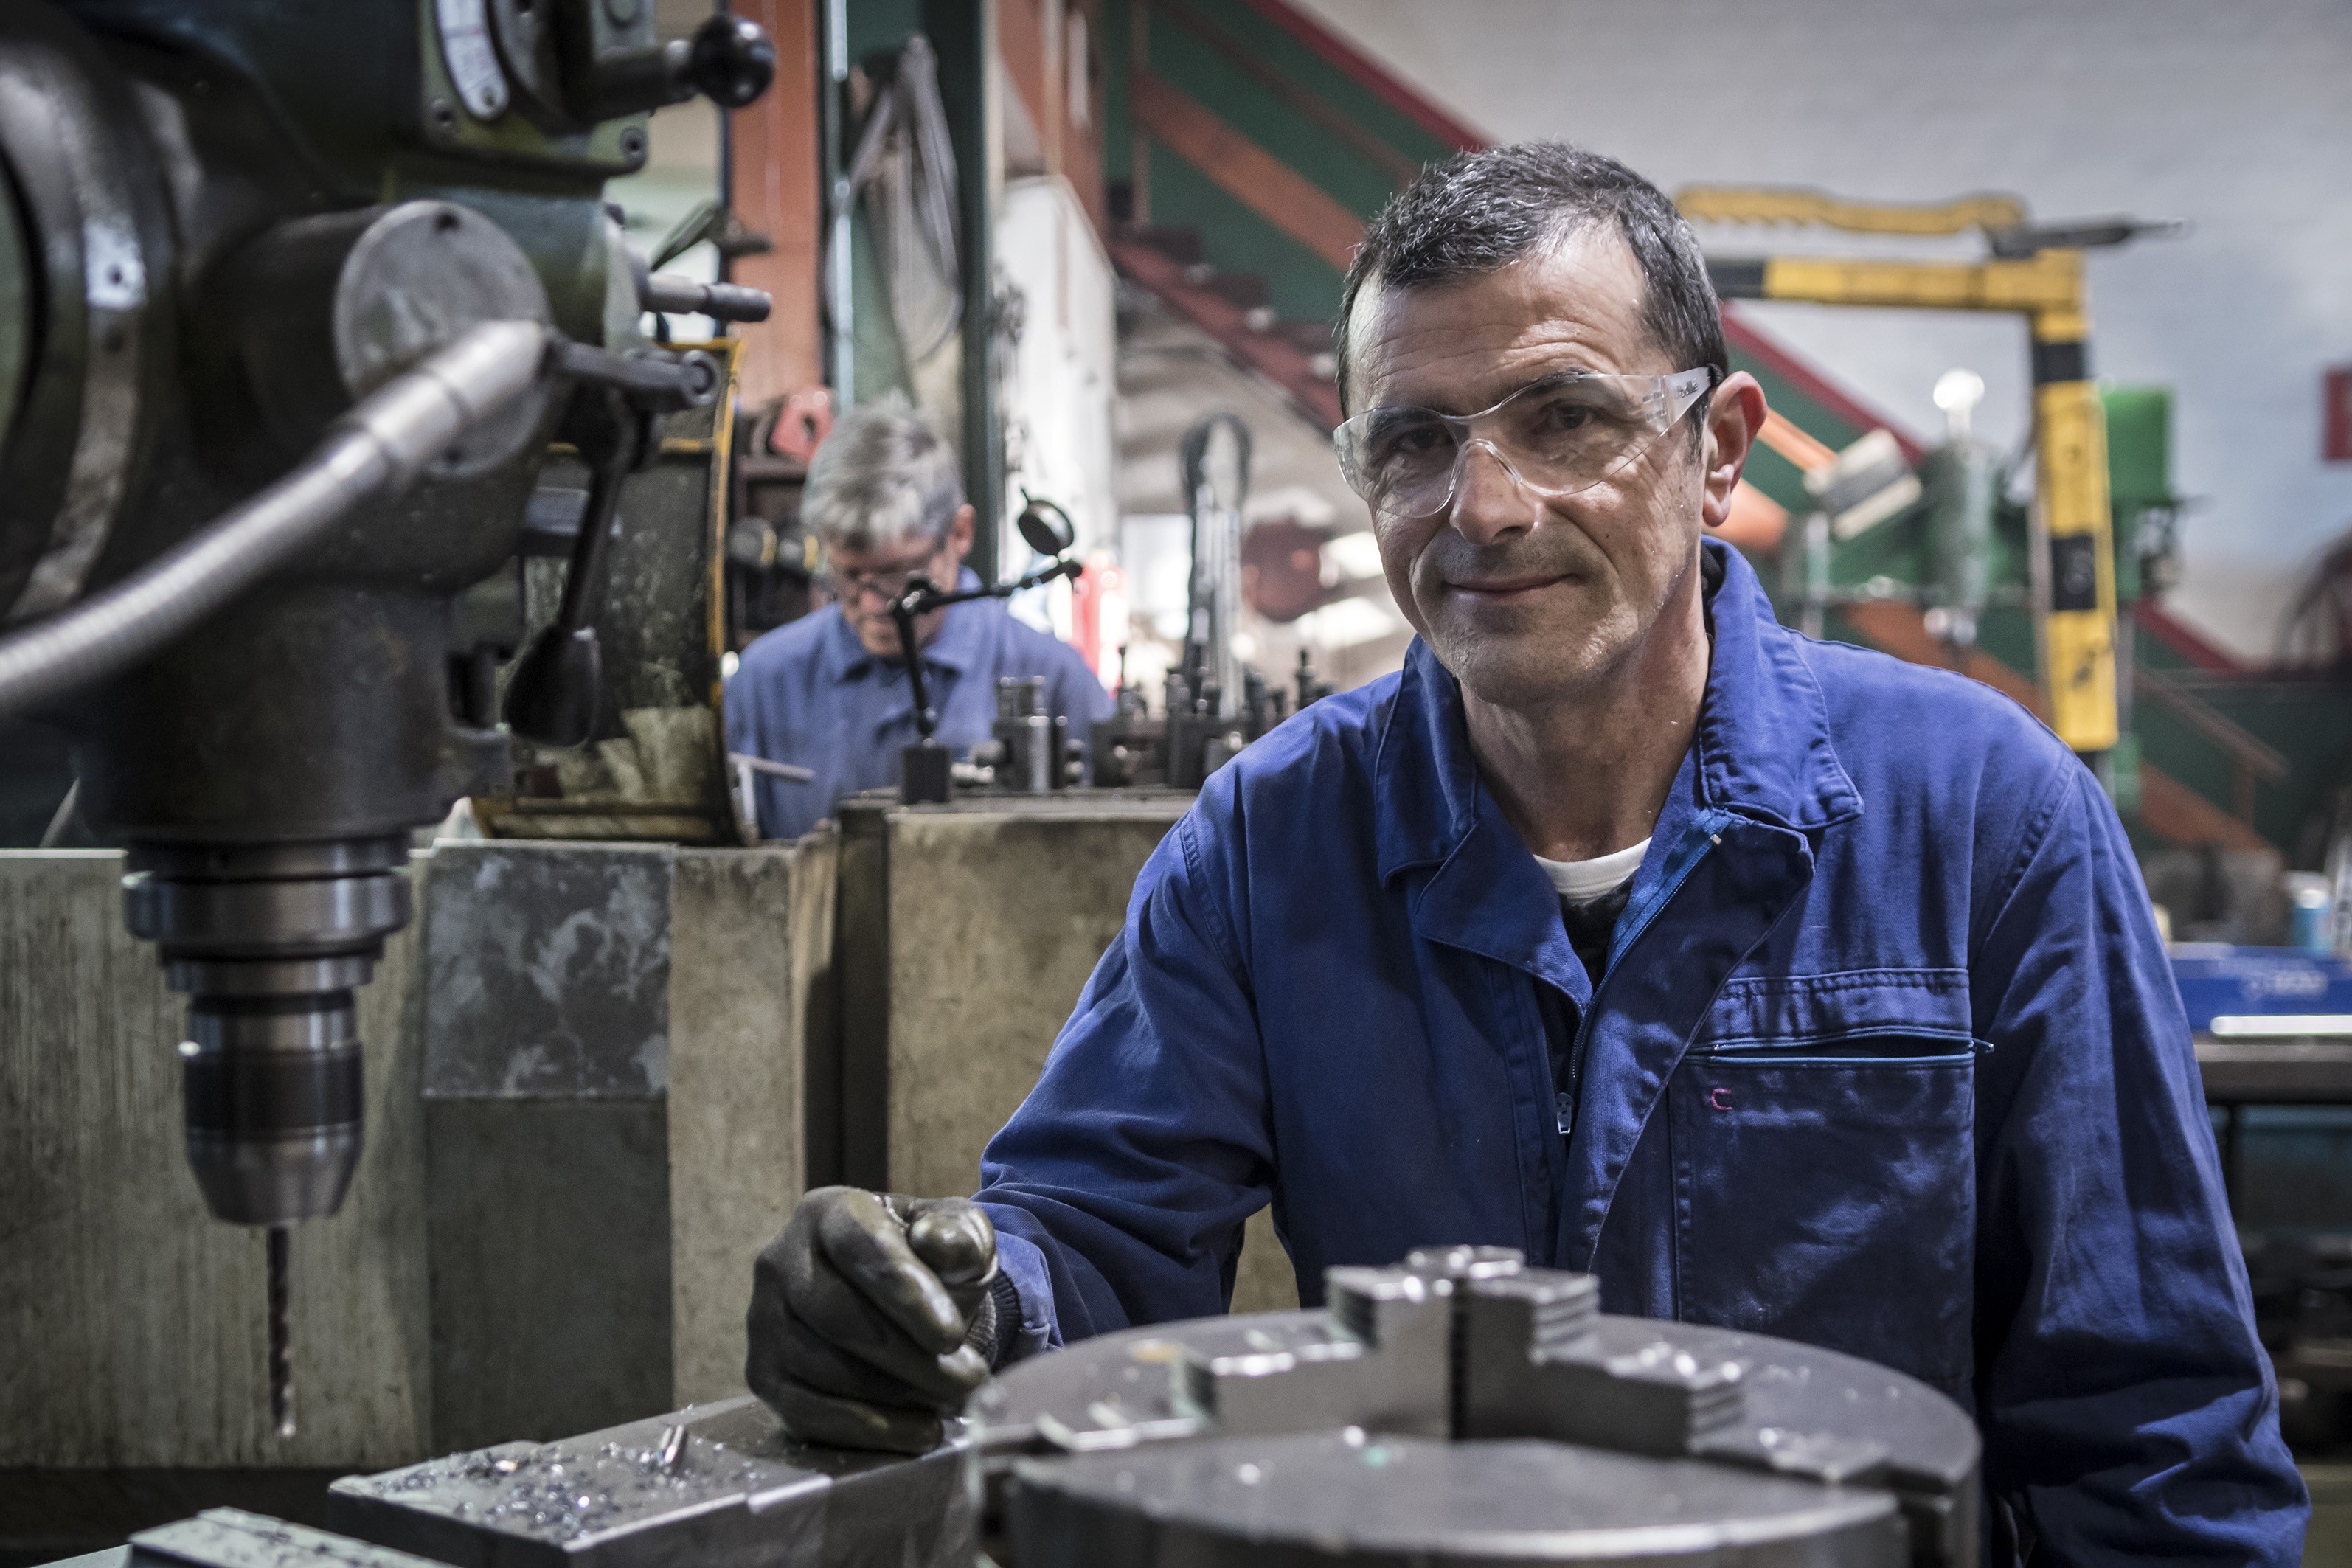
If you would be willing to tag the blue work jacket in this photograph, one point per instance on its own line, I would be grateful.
(808, 693)
(1887, 1057)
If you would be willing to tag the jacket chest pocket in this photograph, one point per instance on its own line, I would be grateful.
(1825, 1191)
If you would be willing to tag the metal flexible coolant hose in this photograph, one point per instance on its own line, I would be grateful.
(378, 449)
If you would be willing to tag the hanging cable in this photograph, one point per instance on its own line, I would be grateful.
(904, 170)
(380, 447)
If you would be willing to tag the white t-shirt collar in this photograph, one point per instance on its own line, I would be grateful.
(1581, 881)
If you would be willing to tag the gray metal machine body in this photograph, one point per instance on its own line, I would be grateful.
(245, 469)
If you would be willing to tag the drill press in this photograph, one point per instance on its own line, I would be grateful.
(292, 301)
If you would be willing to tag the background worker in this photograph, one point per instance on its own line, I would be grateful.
(1779, 984)
(829, 691)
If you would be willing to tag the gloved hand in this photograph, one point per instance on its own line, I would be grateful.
(872, 1316)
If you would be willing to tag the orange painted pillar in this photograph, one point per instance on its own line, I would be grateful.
(774, 187)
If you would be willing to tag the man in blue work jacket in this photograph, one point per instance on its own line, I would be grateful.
(1781, 985)
(829, 691)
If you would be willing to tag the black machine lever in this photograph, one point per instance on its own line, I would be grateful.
(553, 695)
(730, 60)
(673, 295)
(654, 383)
(557, 686)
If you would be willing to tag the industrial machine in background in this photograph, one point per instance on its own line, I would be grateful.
(2032, 271)
(1458, 1407)
(292, 304)
(1212, 703)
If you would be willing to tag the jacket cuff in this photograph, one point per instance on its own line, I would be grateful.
(994, 1336)
(1027, 1323)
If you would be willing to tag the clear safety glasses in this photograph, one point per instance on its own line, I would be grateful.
(1556, 436)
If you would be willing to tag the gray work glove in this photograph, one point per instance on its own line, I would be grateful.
(872, 1316)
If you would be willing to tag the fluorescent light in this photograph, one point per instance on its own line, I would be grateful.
(2282, 1026)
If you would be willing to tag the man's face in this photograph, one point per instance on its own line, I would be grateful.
(1530, 601)
(866, 581)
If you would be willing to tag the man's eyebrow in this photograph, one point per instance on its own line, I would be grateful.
(1558, 375)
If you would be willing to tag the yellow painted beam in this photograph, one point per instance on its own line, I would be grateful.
(1805, 204)
(2079, 633)
(2048, 286)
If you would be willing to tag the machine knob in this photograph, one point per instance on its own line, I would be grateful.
(732, 61)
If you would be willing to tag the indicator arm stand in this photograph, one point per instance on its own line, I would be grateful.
(924, 774)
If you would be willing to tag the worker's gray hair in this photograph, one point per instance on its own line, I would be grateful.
(885, 479)
(1478, 212)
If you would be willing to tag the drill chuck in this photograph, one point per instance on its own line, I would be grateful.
(273, 1100)
(270, 941)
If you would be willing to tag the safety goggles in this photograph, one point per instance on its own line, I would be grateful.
(1555, 435)
(848, 588)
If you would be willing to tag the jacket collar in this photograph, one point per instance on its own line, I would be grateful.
(1763, 748)
(958, 646)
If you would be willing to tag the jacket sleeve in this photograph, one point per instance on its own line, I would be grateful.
(2129, 1413)
(1119, 1188)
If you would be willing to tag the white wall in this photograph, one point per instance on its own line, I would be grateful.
(2237, 117)
(1058, 401)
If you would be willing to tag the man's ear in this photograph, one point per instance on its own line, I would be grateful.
(959, 539)
(1734, 416)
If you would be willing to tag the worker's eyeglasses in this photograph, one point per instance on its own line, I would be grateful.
(1562, 434)
(845, 587)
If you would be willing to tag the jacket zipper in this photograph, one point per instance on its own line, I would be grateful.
(1617, 949)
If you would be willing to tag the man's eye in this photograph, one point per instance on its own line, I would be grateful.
(1413, 441)
(1560, 415)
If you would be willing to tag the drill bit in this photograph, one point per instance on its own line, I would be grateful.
(281, 1349)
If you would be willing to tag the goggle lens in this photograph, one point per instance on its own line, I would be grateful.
(1558, 435)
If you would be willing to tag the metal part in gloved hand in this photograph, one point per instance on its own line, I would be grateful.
(863, 1312)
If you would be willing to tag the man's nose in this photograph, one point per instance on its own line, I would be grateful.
(1489, 503)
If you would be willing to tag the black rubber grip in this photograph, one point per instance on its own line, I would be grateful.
(2073, 572)
(2061, 362)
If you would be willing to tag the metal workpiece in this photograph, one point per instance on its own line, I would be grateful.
(717, 1485)
(1385, 1362)
(1030, 746)
(1534, 1365)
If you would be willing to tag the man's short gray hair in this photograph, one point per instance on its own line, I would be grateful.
(886, 479)
(1478, 212)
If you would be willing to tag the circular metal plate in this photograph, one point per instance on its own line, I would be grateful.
(1826, 1460)
(17, 294)
(419, 277)
(1369, 1499)
(87, 190)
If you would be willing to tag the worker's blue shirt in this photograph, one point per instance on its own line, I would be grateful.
(808, 693)
(1887, 1057)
